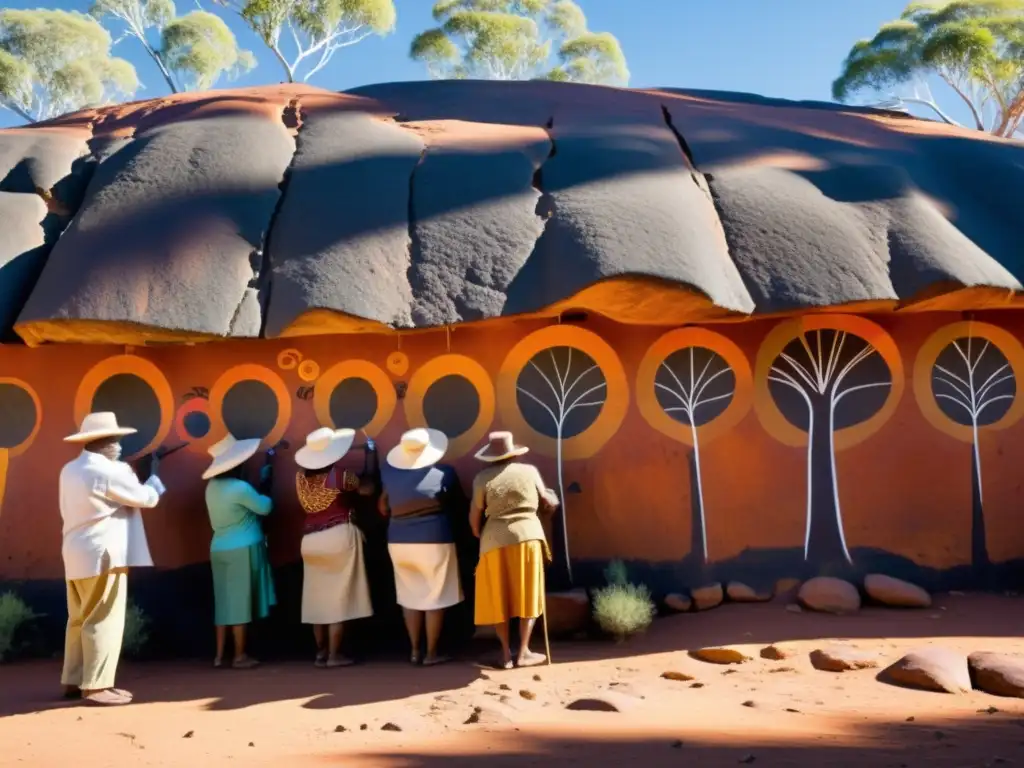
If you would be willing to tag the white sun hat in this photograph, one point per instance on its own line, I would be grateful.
(323, 447)
(418, 448)
(97, 426)
(500, 446)
(229, 453)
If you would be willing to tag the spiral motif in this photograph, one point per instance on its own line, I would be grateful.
(398, 363)
(309, 370)
(288, 359)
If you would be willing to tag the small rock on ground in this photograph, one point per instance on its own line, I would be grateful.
(842, 659)
(739, 592)
(999, 674)
(606, 701)
(708, 596)
(931, 669)
(895, 592)
(678, 603)
(720, 655)
(829, 595)
(776, 653)
(681, 677)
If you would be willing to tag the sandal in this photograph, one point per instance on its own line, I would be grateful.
(244, 662)
(414, 659)
(433, 662)
(339, 661)
(320, 661)
(112, 697)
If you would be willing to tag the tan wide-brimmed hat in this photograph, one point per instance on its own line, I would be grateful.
(229, 453)
(97, 426)
(418, 448)
(323, 447)
(500, 446)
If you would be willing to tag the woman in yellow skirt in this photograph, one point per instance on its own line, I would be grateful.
(507, 496)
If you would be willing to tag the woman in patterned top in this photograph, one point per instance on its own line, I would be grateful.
(507, 498)
(334, 585)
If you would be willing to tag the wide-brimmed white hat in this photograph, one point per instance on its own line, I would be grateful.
(500, 446)
(418, 448)
(323, 447)
(229, 453)
(96, 426)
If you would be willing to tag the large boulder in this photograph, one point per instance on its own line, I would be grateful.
(840, 658)
(568, 612)
(895, 592)
(708, 596)
(997, 673)
(739, 592)
(931, 669)
(829, 595)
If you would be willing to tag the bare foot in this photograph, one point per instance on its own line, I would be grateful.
(433, 661)
(244, 662)
(530, 659)
(338, 661)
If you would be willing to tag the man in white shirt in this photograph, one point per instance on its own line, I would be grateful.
(100, 499)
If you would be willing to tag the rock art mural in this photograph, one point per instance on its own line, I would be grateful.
(745, 339)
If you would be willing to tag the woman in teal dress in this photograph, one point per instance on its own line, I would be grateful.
(243, 586)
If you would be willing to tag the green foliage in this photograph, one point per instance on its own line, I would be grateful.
(976, 47)
(136, 630)
(622, 609)
(200, 48)
(317, 28)
(52, 62)
(14, 614)
(515, 40)
(195, 50)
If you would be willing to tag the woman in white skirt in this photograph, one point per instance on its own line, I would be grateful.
(334, 584)
(417, 494)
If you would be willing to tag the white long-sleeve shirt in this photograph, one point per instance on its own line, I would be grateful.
(100, 501)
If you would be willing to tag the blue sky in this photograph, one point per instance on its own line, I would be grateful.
(784, 48)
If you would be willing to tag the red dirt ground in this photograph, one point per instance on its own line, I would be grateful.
(762, 713)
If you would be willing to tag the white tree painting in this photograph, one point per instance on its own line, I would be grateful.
(560, 393)
(694, 386)
(823, 381)
(974, 386)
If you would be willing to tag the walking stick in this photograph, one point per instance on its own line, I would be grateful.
(544, 615)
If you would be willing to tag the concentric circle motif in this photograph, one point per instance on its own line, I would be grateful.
(309, 370)
(441, 394)
(725, 352)
(768, 412)
(244, 395)
(137, 391)
(22, 414)
(614, 393)
(359, 376)
(1004, 344)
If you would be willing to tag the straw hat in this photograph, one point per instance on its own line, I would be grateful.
(229, 453)
(418, 448)
(500, 446)
(96, 426)
(323, 447)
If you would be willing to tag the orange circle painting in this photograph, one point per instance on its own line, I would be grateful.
(826, 382)
(192, 421)
(137, 391)
(966, 382)
(249, 401)
(693, 385)
(563, 391)
(355, 394)
(454, 394)
(22, 416)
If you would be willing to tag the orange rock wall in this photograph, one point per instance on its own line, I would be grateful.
(903, 477)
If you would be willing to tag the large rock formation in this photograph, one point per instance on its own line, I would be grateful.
(289, 210)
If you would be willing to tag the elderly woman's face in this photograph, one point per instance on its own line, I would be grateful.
(108, 446)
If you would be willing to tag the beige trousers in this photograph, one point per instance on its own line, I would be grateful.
(92, 644)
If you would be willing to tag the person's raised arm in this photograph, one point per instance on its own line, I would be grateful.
(253, 500)
(549, 498)
(122, 487)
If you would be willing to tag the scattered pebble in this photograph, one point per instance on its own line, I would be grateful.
(188, 735)
(505, 687)
(527, 694)
(748, 759)
(364, 727)
(696, 685)
(677, 744)
(749, 704)
(782, 669)
(536, 678)
(251, 744)
(389, 726)
(794, 711)
(340, 729)
(910, 719)
(988, 711)
(680, 677)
